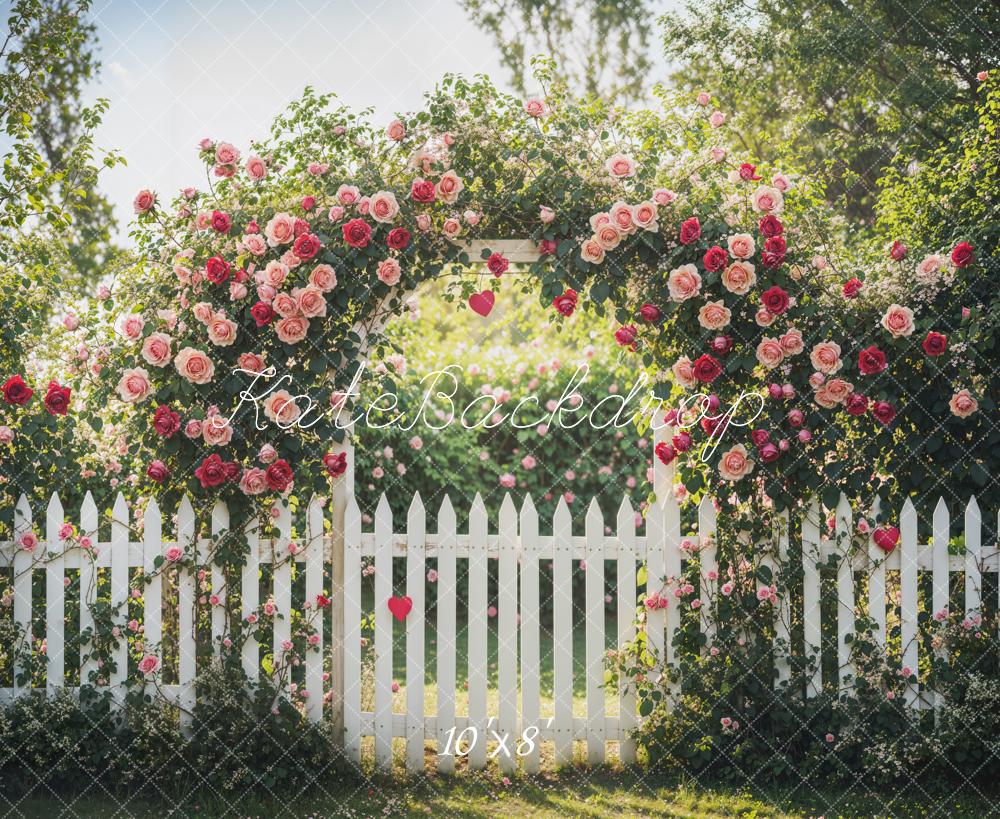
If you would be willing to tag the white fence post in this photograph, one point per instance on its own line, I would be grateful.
(973, 557)
(844, 527)
(55, 597)
(447, 600)
(530, 625)
(415, 584)
(314, 587)
(88, 587)
(876, 579)
(811, 611)
(352, 681)
(908, 597)
(626, 600)
(594, 588)
(341, 490)
(507, 634)
(383, 635)
(23, 561)
(562, 633)
(187, 595)
(476, 606)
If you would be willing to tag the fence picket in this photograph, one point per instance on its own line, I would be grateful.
(55, 597)
(119, 590)
(23, 562)
(415, 585)
(507, 635)
(655, 579)
(447, 600)
(186, 616)
(220, 525)
(876, 579)
(478, 634)
(152, 595)
(562, 633)
(783, 612)
(940, 584)
(626, 602)
(352, 631)
(383, 635)
(908, 597)
(250, 598)
(314, 588)
(973, 557)
(844, 526)
(530, 625)
(594, 588)
(670, 550)
(811, 612)
(281, 577)
(88, 588)
(709, 566)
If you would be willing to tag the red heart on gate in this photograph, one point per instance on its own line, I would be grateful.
(482, 303)
(400, 607)
(886, 538)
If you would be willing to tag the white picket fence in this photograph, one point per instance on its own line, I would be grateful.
(517, 546)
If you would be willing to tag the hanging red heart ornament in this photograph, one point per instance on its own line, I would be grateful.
(482, 303)
(400, 607)
(886, 538)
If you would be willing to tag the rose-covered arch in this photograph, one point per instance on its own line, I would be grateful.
(719, 275)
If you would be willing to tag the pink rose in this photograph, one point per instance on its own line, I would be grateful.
(963, 404)
(217, 431)
(396, 131)
(703, 98)
(770, 353)
(383, 207)
(536, 108)
(336, 213)
(739, 277)
(389, 272)
(621, 166)
(254, 243)
(251, 362)
(284, 304)
(281, 408)
(156, 349)
(592, 251)
(644, 215)
(741, 245)
(132, 326)
(767, 199)
(311, 302)
(256, 167)
(683, 371)
(268, 454)
(621, 217)
(609, 235)
(144, 201)
(134, 385)
(323, 278)
(253, 481)
(449, 186)
(546, 215)
(898, 320)
(280, 229)
(451, 228)
(684, 282)
(292, 329)
(149, 664)
(825, 357)
(226, 154)
(734, 464)
(194, 365)
(423, 222)
(792, 343)
(663, 197)
(274, 273)
(717, 119)
(6, 435)
(192, 429)
(714, 315)
(221, 331)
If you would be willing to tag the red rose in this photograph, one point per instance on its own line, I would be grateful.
(497, 264)
(769, 453)
(279, 475)
(262, 313)
(15, 391)
(760, 437)
(322, 601)
(775, 300)
(707, 369)
(212, 472)
(715, 259)
(546, 247)
(852, 287)
(665, 452)
(961, 254)
(232, 470)
(626, 335)
(681, 441)
(774, 251)
(252, 227)
(217, 270)
(884, 412)
(856, 404)
(398, 238)
(650, 312)
(308, 203)
(721, 345)
(422, 191)
(690, 230)
(935, 343)
(306, 246)
(898, 251)
(57, 399)
(871, 361)
(221, 221)
(566, 303)
(335, 464)
(771, 226)
(300, 227)
(748, 172)
(166, 422)
(157, 471)
(357, 233)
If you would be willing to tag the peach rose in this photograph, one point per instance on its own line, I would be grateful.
(254, 243)
(598, 220)
(825, 357)
(770, 353)
(348, 194)
(280, 230)
(274, 273)
(739, 277)
(449, 186)
(256, 167)
(217, 431)
(963, 404)
(683, 371)
(134, 386)
(741, 245)
(383, 207)
(194, 365)
(714, 315)
(281, 408)
(621, 166)
(735, 464)
(323, 277)
(609, 236)
(592, 251)
(203, 311)
(764, 318)
(284, 304)
(250, 361)
(388, 272)
(536, 108)
(132, 326)
(311, 302)
(833, 392)
(767, 200)
(451, 228)
(684, 282)
(292, 329)
(253, 481)
(621, 216)
(662, 196)
(644, 215)
(221, 331)
(898, 320)
(791, 342)
(395, 131)
(156, 349)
